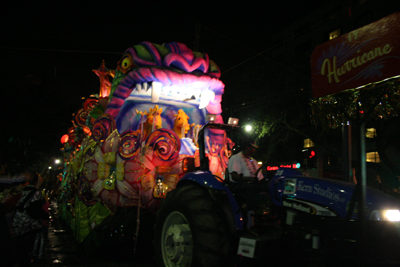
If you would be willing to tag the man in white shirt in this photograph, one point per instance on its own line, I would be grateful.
(242, 169)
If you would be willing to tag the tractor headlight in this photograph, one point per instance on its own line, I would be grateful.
(385, 215)
(392, 215)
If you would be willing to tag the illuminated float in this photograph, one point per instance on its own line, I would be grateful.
(128, 145)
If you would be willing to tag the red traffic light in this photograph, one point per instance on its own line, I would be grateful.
(312, 153)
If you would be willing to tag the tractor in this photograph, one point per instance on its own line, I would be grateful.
(203, 223)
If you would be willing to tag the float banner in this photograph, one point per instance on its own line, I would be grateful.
(366, 55)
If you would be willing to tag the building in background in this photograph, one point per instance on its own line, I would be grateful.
(291, 48)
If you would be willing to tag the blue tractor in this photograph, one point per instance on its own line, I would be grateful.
(202, 223)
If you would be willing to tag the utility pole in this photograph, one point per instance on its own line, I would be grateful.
(346, 140)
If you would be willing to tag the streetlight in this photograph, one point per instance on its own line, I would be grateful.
(248, 128)
(57, 161)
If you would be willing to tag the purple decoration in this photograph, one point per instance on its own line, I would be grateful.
(174, 76)
(153, 51)
(146, 74)
(179, 67)
(103, 127)
(162, 76)
(184, 62)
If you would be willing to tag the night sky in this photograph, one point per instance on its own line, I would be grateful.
(48, 52)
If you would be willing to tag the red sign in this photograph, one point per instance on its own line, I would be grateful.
(274, 168)
(366, 55)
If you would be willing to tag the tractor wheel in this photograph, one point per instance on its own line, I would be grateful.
(190, 229)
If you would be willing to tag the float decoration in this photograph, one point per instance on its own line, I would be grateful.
(105, 84)
(129, 143)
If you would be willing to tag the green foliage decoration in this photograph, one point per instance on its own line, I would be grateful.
(375, 101)
(97, 111)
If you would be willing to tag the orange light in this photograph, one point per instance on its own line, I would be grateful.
(86, 130)
(289, 166)
(64, 139)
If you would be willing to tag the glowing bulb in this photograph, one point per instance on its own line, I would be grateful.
(248, 128)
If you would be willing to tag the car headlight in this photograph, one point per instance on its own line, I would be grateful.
(385, 215)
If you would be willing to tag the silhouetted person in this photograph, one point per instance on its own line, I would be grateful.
(28, 218)
(39, 249)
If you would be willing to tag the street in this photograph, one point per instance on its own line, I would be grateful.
(63, 250)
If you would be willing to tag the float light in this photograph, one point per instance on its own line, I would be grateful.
(233, 121)
(211, 117)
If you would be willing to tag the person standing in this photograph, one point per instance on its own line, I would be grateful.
(28, 218)
(39, 249)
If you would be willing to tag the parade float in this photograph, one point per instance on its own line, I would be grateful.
(129, 145)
